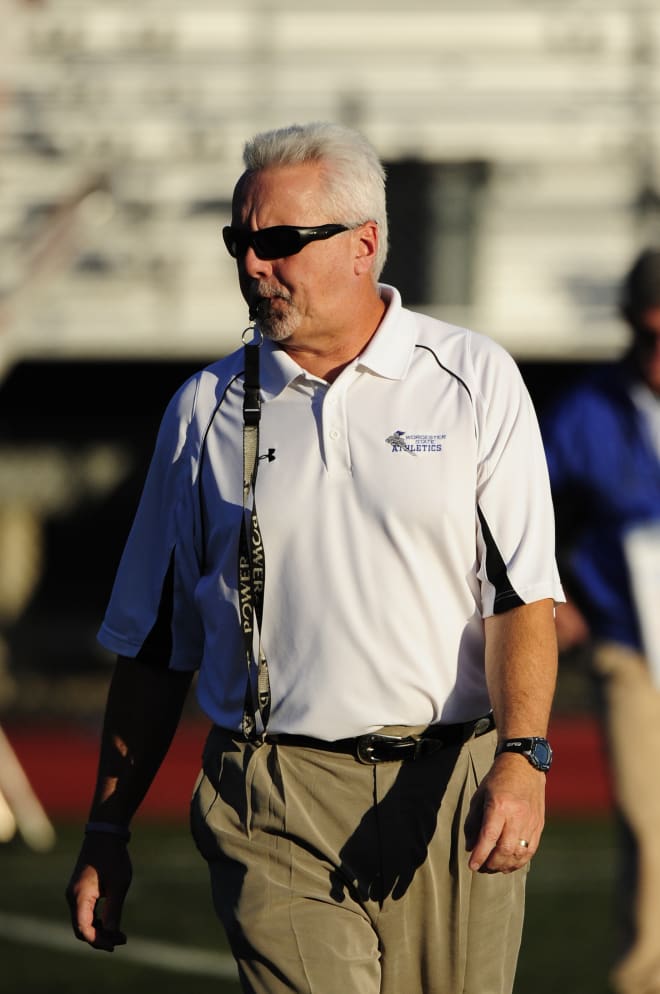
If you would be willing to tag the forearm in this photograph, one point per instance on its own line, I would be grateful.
(521, 668)
(508, 808)
(142, 713)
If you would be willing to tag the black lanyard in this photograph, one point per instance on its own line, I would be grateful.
(251, 562)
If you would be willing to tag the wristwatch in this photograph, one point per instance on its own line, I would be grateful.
(536, 751)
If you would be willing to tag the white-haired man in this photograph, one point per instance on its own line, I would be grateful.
(363, 615)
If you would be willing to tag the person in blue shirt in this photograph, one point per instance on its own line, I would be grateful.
(602, 440)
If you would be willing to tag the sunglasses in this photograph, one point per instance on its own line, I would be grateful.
(276, 242)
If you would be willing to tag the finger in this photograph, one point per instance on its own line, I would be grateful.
(82, 920)
(111, 917)
(82, 905)
(525, 847)
(509, 856)
(107, 938)
(88, 925)
(487, 842)
(97, 936)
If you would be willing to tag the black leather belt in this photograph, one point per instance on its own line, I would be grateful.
(376, 748)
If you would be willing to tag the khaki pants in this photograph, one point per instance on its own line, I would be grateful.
(331, 877)
(631, 704)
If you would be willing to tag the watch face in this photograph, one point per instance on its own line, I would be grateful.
(542, 754)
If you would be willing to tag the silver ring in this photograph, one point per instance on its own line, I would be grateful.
(523, 842)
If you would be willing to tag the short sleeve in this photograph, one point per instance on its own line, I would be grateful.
(515, 517)
(151, 608)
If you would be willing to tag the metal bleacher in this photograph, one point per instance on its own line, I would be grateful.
(122, 127)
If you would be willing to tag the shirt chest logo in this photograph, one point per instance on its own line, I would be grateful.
(414, 444)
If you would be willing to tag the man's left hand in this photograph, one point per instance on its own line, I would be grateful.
(507, 810)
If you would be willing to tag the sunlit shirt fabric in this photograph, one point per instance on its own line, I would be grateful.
(399, 506)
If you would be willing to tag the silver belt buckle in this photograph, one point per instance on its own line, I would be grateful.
(367, 744)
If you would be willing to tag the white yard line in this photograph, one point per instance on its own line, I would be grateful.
(163, 955)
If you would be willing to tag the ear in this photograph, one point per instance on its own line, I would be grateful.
(366, 244)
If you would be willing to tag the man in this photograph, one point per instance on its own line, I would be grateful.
(603, 446)
(381, 560)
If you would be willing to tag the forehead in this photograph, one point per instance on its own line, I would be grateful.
(280, 195)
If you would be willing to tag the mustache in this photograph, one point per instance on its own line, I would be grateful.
(261, 293)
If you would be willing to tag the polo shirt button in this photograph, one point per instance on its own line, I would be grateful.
(334, 434)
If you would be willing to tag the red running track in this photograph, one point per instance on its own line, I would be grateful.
(60, 762)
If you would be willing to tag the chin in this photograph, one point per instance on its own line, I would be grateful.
(278, 327)
(275, 334)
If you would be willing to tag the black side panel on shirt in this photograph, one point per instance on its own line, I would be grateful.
(157, 647)
(505, 596)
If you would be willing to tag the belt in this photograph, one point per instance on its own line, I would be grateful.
(376, 748)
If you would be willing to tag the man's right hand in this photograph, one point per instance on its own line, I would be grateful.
(102, 873)
(145, 701)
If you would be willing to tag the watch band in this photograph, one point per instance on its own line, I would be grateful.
(536, 750)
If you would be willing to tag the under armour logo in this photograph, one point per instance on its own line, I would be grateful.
(270, 455)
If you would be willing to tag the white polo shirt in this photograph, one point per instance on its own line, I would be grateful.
(399, 506)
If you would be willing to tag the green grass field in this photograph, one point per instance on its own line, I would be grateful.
(567, 946)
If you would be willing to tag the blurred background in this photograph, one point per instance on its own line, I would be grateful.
(521, 142)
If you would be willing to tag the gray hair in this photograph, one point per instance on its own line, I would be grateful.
(355, 178)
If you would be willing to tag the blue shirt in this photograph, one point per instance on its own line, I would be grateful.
(605, 476)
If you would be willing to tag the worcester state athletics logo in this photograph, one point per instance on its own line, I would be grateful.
(414, 444)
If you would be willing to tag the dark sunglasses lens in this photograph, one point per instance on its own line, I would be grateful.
(232, 241)
(269, 243)
(276, 243)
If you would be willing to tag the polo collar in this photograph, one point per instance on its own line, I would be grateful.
(390, 351)
(278, 370)
(388, 354)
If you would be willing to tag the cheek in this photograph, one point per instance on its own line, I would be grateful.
(244, 281)
(335, 277)
(317, 285)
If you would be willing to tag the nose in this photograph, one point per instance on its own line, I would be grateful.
(253, 266)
